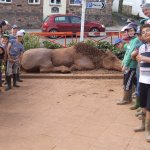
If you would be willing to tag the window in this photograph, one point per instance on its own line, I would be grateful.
(61, 19)
(5, 1)
(33, 1)
(75, 20)
(75, 2)
(55, 2)
(55, 10)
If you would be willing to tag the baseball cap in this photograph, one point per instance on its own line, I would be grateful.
(129, 20)
(131, 25)
(145, 21)
(15, 26)
(20, 33)
(117, 41)
(145, 5)
(124, 28)
(23, 31)
(5, 35)
(4, 22)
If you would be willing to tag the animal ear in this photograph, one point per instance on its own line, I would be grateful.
(108, 52)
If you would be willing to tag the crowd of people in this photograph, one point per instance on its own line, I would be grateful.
(11, 50)
(136, 68)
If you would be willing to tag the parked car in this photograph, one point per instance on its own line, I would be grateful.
(69, 23)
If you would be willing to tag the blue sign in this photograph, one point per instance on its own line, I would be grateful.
(77, 1)
(89, 5)
(96, 5)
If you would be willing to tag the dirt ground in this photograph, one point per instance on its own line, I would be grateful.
(67, 114)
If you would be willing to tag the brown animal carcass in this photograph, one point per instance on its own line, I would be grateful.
(64, 60)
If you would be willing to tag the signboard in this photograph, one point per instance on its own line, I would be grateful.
(96, 5)
(77, 1)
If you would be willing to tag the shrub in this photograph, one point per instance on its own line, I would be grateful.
(51, 45)
(71, 44)
(107, 46)
(31, 41)
(90, 42)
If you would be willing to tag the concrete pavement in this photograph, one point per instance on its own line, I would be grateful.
(66, 114)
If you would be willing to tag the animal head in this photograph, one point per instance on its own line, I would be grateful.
(110, 61)
(100, 58)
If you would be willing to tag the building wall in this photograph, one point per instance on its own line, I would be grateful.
(130, 7)
(102, 15)
(47, 8)
(21, 13)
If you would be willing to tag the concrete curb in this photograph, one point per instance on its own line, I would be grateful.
(71, 76)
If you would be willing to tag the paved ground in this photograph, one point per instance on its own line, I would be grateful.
(67, 114)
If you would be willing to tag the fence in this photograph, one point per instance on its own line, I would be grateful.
(94, 36)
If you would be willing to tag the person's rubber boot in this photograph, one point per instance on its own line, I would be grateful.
(8, 79)
(142, 126)
(18, 78)
(137, 104)
(127, 98)
(0, 79)
(15, 80)
(147, 130)
(139, 109)
(139, 113)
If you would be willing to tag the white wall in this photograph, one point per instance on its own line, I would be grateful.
(115, 6)
(136, 9)
(47, 8)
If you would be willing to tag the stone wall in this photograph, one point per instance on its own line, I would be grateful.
(126, 9)
(102, 15)
(21, 13)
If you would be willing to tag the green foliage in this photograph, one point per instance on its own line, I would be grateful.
(108, 46)
(51, 45)
(90, 42)
(31, 41)
(103, 45)
(71, 43)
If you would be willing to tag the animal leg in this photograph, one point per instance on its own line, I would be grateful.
(46, 70)
(75, 67)
(61, 69)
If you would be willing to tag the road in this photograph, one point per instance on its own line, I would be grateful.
(68, 114)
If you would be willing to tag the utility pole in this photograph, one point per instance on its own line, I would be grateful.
(82, 20)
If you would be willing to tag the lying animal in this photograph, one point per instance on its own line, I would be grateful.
(79, 57)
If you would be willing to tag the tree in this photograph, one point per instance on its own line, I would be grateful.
(120, 6)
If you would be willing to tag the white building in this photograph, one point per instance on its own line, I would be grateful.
(53, 7)
(133, 4)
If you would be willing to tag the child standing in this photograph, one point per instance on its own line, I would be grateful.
(144, 79)
(129, 65)
(14, 51)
